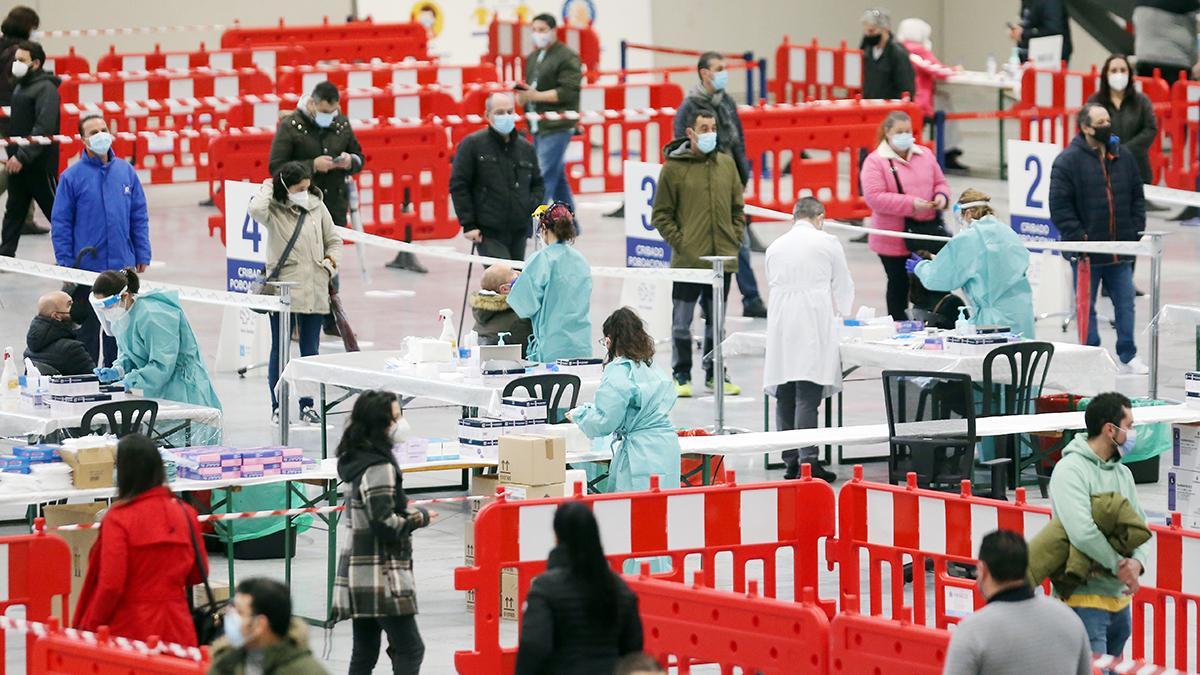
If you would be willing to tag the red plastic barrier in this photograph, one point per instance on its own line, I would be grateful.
(745, 523)
(1169, 596)
(358, 105)
(351, 76)
(57, 654)
(1183, 168)
(39, 570)
(812, 72)
(510, 41)
(832, 133)
(162, 84)
(692, 625)
(1053, 98)
(67, 64)
(868, 644)
(403, 188)
(268, 59)
(365, 29)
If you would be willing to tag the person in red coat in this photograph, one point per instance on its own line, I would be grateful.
(143, 564)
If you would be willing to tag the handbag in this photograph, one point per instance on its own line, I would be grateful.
(259, 286)
(935, 227)
(209, 618)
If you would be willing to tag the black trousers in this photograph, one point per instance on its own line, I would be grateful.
(32, 183)
(897, 286)
(796, 405)
(510, 246)
(84, 314)
(404, 640)
(684, 298)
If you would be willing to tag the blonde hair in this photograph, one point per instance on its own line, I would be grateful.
(972, 195)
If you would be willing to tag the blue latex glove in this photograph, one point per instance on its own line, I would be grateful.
(912, 262)
(107, 375)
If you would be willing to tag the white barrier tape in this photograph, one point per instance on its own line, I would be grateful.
(38, 629)
(692, 276)
(1137, 248)
(203, 295)
(138, 30)
(1166, 195)
(122, 76)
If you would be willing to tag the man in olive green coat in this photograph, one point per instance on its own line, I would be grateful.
(698, 211)
(552, 74)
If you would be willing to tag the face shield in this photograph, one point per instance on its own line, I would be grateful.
(109, 309)
(960, 217)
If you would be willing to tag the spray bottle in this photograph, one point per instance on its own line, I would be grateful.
(10, 386)
(446, 316)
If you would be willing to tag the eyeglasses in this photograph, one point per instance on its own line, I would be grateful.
(603, 342)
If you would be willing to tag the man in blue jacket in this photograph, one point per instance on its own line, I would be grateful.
(100, 206)
(1096, 195)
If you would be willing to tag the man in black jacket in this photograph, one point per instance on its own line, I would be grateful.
(887, 65)
(1042, 18)
(1096, 195)
(496, 183)
(16, 28)
(51, 338)
(33, 167)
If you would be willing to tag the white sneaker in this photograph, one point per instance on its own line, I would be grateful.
(1134, 367)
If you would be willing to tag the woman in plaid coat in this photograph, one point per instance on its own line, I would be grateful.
(374, 585)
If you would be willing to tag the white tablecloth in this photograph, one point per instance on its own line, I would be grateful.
(19, 423)
(367, 370)
(974, 78)
(867, 434)
(1077, 369)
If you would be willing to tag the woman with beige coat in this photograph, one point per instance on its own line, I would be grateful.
(284, 203)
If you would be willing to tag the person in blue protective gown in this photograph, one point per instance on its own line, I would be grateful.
(157, 351)
(633, 404)
(554, 291)
(989, 261)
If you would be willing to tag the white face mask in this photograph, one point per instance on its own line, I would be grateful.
(1118, 81)
(19, 69)
(299, 199)
(400, 431)
(542, 40)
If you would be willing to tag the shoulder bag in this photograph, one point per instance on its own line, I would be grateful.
(259, 286)
(208, 618)
(933, 227)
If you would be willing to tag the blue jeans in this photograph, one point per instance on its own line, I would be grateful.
(1107, 631)
(745, 273)
(309, 326)
(1118, 279)
(551, 147)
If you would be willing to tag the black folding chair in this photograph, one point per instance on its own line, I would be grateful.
(552, 389)
(1027, 366)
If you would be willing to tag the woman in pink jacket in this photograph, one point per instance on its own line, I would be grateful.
(900, 179)
(915, 34)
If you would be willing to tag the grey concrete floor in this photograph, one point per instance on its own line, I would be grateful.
(188, 255)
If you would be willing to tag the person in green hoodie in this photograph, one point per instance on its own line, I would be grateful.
(698, 210)
(261, 636)
(1091, 465)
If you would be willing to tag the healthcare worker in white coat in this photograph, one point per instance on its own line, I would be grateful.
(810, 286)
(633, 404)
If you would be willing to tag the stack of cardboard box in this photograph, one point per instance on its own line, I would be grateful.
(530, 467)
(1183, 478)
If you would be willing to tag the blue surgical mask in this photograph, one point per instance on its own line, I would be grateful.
(323, 119)
(233, 629)
(720, 79)
(706, 142)
(504, 124)
(1130, 441)
(99, 143)
(903, 142)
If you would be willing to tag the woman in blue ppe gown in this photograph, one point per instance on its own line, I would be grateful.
(989, 262)
(554, 291)
(633, 404)
(157, 351)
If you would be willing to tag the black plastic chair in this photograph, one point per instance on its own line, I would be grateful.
(124, 417)
(551, 388)
(944, 460)
(1028, 363)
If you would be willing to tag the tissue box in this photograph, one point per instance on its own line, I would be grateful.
(412, 451)
(480, 428)
(584, 368)
(522, 408)
(473, 449)
(428, 350)
(37, 454)
(11, 464)
(1185, 446)
(73, 385)
(76, 405)
(1183, 496)
(214, 456)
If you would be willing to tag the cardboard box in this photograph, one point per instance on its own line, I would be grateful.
(509, 588)
(1183, 496)
(515, 491)
(78, 541)
(532, 460)
(1185, 446)
(220, 591)
(91, 467)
